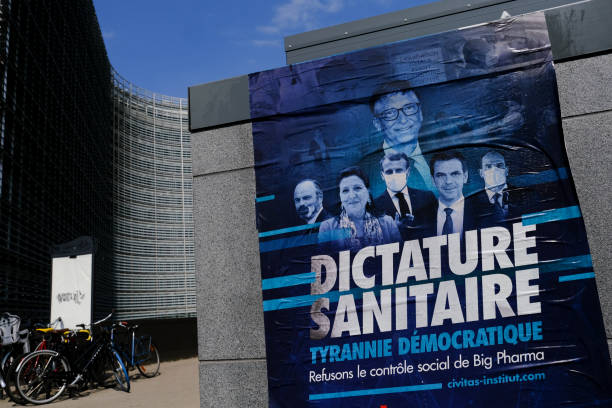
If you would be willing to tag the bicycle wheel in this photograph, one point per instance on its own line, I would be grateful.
(5, 365)
(7, 360)
(148, 364)
(122, 378)
(9, 378)
(41, 376)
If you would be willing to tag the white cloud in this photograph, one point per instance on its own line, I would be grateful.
(300, 15)
(266, 43)
(268, 29)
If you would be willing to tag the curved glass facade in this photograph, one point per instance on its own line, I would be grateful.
(153, 264)
(55, 149)
(83, 152)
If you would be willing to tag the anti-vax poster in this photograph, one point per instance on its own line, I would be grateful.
(420, 236)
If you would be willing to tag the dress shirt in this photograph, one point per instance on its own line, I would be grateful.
(313, 219)
(396, 200)
(491, 193)
(456, 216)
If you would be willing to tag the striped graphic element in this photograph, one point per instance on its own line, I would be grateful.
(565, 264)
(547, 176)
(289, 229)
(303, 240)
(578, 276)
(308, 300)
(285, 281)
(375, 391)
(558, 214)
(263, 199)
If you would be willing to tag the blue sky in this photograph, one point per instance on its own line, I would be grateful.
(167, 46)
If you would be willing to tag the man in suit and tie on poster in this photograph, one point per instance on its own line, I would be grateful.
(453, 214)
(308, 200)
(406, 205)
(499, 201)
(495, 198)
(398, 116)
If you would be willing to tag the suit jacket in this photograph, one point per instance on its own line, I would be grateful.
(421, 202)
(470, 220)
(517, 201)
(323, 215)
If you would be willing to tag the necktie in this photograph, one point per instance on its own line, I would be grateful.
(499, 210)
(403, 204)
(448, 223)
(496, 198)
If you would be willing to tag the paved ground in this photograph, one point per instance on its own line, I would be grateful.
(175, 387)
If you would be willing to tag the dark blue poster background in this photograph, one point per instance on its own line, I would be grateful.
(420, 236)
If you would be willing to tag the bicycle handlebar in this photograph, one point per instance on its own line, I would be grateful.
(102, 320)
(96, 323)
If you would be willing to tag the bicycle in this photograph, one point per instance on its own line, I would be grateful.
(43, 376)
(142, 354)
(39, 338)
(14, 342)
(22, 340)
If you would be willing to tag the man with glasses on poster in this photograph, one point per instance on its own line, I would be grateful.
(398, 116)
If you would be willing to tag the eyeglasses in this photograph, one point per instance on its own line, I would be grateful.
(393, 113)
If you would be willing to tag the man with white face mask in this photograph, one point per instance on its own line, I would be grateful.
(405, 205)
(498, 200)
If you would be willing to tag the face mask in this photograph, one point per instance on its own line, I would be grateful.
(494, 177)
(395, 182)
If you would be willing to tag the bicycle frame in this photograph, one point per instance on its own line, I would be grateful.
(25, 349)
(131, 357)
(76, 374)
(82, 372)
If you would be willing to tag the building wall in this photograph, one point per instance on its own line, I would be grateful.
(55, 147)
(153, 268)
(230, 316)
(85, 152)
(231, 344)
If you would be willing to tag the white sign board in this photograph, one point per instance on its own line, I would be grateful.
(71, 290)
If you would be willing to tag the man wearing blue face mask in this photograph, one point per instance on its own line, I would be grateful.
(405, 205)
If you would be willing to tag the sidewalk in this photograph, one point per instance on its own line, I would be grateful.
(176, 386)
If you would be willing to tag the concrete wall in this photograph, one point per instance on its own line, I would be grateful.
(231, 344)
(585, 95)
(230, 315)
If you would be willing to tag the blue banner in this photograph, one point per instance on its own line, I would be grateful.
(420, 236)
